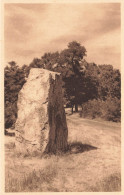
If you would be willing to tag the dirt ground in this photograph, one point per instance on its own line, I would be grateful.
(92, 164)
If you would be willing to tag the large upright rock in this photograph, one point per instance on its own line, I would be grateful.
(41, 123)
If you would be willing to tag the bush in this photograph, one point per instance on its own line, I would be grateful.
(110, 109)
(91, 109)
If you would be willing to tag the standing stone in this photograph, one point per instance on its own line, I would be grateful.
(41, 123)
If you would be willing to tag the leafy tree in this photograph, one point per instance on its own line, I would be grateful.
(71, 60)
(13, 81)
(50, 60)
(109, 82)
(36, 63)
(90, 82)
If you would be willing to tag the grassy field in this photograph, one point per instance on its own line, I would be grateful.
(93, 163)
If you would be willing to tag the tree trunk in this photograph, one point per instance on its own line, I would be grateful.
(72, 109)
(76, 107)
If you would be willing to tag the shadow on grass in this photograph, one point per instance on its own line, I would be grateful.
(78, 147)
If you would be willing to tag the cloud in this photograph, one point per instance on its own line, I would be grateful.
(32, 29)
(107, 49)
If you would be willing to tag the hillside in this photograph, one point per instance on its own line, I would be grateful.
(93, 162)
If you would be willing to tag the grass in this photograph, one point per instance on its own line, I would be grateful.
(109, 184)
(33, 181)
(92, 162)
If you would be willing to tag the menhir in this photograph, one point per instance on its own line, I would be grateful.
(41, 124)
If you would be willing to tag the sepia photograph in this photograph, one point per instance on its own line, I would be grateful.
(62, 97)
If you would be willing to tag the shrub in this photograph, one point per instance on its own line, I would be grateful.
(110, 109)
(91, 109)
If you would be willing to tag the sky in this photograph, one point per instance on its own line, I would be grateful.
(30, 30)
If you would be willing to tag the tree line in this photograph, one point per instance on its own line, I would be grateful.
(94, 88)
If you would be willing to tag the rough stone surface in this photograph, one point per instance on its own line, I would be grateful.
(41, 123)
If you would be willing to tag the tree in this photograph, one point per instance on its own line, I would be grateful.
(13, 81)
(50, 60)
(90, 82)
(36, 63)
(109, 82)
(71, 58)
